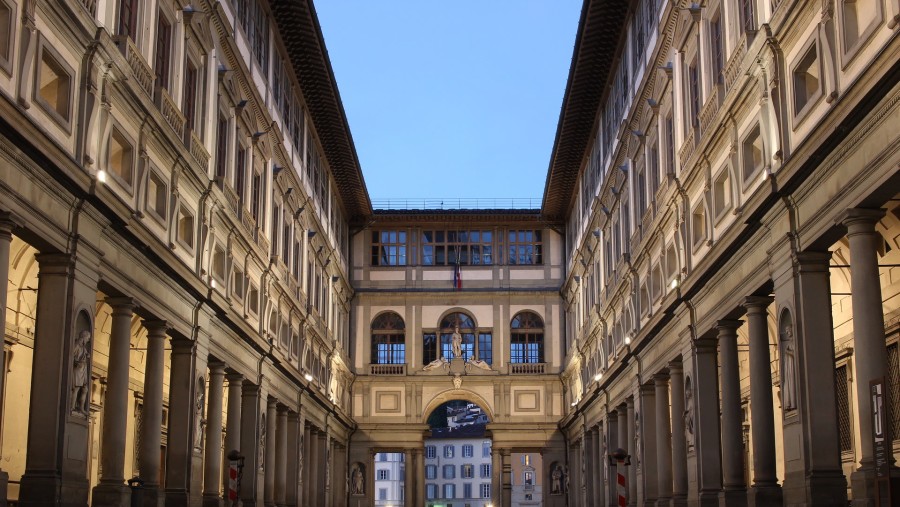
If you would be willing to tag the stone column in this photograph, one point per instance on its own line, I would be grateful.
(252, 431)
(588, 450)
(419, 497)
(633, 452)
(735, 489)
(56, 461)
(182, 408)
(663, 441)
(270, 465)
(869, 349)
(647, 441)
(599, 478)
(281, 454)
(292, 481)
(112, 491)
(507, 477)
(7, 223)
(594, 469)
(496, 476)
(233, 422)
(707, 441)
(409, 484)
(212, 457)
(765, 489)
(612, 443)
(306, 450)
(679, 445)
(151, 416)
(314, 484)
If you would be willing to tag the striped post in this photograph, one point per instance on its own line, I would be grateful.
(232, 482)
(621, 487)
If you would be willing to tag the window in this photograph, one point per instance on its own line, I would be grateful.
(715, 45)
(388, 248)
(382, 493)
(237, 284)
(527, 339)
(157, 196)
(653, 167)
(449, 470)
(430, 452)
(752, 154)
(670, 144)
(486, 450)
(256, 189)
(240, 171)
(449, 491)
(54, 90)
(218, 263)
(253, 299)
(431, 491)
(431, 471)
(693, 79)
(388, 339)
(384, 475)
(698, 225)
(466, 326)
(528, 478)
(221, 149)
(858, 18)
(471, 248)
(485, 490)
(7, 31)
(186, 227)
(191, 82)
(845, 428)
(525, 247)
(641, 192)
(721, 194)
(485, 470)
(120, 161)
(485, 347)
(466, 471)
(467, 451)
(807, 80)
(128, 18)
(748, 22)
(162, 65)
(656, 281)
(448, 452)
(467, 490)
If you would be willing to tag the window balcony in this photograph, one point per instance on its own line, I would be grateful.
(387, 369)
(171, 113)
(141, 70)
(527, 368)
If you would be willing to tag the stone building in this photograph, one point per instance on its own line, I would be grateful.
(194, 265)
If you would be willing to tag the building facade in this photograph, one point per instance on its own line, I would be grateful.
(194, 266)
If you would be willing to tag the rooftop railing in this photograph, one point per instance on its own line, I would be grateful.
(438, 203)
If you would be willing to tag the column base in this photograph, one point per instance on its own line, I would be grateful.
(765, 496)
(177, 498)
(40, 490)
(826, 489)
(862, 484)
(733, 498)
(679, 501)
(213, 501)
(111, 494)
(663, 502)
(708, 499)
(153, 497)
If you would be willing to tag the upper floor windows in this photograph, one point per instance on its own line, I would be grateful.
(388, 248)
(526, 338)
(716, 47)
(430, 452)
(54, 90)
(748, 15)
(255, 23)
(693, 79)
(807, 80)
(463, 247)
(120, 160)
(157, 196)
(192, 93)
(7, 30)
(752, 155)
(128, 18)
(388, 339)
(525, 247)
(163, 60)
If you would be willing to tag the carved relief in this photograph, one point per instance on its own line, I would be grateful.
(199, 420)
(787, 348)
(688, 411)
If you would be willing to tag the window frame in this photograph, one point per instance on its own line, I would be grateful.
(6, 61)
(182, 208)
(118, 131)
(812, 100)
(526, 337)
(151, 210)
(65, 122)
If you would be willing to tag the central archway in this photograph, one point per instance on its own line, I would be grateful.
(456, 394)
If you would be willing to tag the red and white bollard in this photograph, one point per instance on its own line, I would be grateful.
(232, 482)
(620, 459)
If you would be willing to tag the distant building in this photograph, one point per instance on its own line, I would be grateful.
(390, 475)
(458, 467)
(526, 479)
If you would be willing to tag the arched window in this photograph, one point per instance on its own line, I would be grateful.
(388, 339)
(475, 343)
(526, 339)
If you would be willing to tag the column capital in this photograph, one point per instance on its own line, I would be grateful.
(182, 345)
(812, 262)
(272, 404)
(860, 220)
(233, 376)
(629, 402)
(757, 304)
(8, 222)
(648, 388)
(661, 379)
(121, 304)
(293, 416)
(216, 367)
(156, 328)
(54, 263)
(728, 328)
(621, 410)
(676, 367)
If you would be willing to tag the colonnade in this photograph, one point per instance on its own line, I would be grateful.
(289, 458)
(683, 421)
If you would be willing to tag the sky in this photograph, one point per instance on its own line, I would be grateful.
(451, 99)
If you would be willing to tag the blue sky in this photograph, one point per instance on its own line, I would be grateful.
(451, 99)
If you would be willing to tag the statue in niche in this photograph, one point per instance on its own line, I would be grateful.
(566, 477)
(261, 450)
(637, 439)
(440, 362)
(603, 454)
(357, 480)
(556, 477)
(81, 374)
(788, 367)
(456, 343)
(199, 420)
(688, 411)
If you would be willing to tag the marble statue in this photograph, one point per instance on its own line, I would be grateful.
(456, 343)
(788, 367)
(81, 374)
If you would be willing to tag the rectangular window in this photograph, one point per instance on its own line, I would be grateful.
(256, 196)
(486, 449)
(157, 196)
(748, 21)
(7, 31)
(715, 44)
(752, 154)
(449, 491)
(237, 284)
(429, 347)
(128, 17)
(467, 490)
(430, 471)
(54, 90)
(383, 475)
(467, 471)
(240, 172)
(486, 468)
(485, 490)
(806, 80)
(448, 451)
(388, 248)
(471, 248)
(722, 194)
(121, 158)
(893, 389)
(221, 149)
(693, 93)
(162, 64)
(189, 104)
(467, 451)
(382, 493)
(845, 429)
(186, 227)
(485, 347)
(430, 452)
(431, 491)
(525, 247)
(698, 226)
(670, 145)
(449, 472)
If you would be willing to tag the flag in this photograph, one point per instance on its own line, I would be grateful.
(457, 274)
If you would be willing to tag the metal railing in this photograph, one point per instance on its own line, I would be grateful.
(454, 203)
